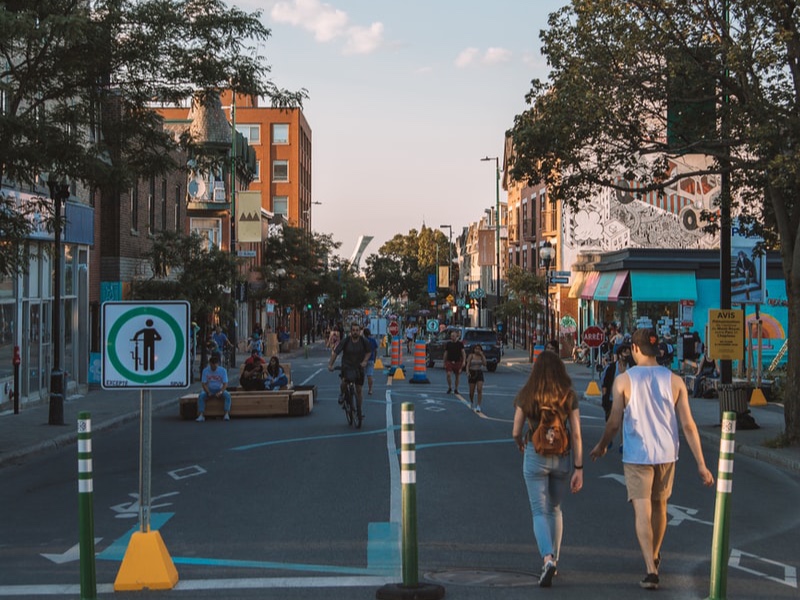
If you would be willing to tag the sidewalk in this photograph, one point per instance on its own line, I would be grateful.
(28, 433)
(706, 415)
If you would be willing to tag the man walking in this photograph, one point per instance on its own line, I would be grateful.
(454, 358)
(648, 400)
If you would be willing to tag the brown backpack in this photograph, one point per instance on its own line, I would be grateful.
(550, 436)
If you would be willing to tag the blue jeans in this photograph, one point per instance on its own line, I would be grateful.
(276, 383)
(201, 401)
(547, 479)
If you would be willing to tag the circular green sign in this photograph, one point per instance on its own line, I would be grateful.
(177, 333)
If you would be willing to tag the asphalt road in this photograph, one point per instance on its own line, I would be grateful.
(305, 507)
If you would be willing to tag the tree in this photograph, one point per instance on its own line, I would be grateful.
(524, 290)
(635, 83)
(408, 260)
(77, 78)
(182, 269)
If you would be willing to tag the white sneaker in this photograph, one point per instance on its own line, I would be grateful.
(477, 409)
(200, 419)
(227, 417)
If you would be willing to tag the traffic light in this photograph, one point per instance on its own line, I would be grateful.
(309, 306)
(466, 304)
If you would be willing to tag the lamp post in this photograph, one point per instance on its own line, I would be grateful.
(546, 254)
(496, 160)
(59, 192)
(449, 256)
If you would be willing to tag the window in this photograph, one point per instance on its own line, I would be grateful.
(280, 170)
(151, 206)
(280, 205)
(178, 199)
(257, 176)
(251, 132)
(280, 133)
(208, 229)
(163, 204)
(135, 206)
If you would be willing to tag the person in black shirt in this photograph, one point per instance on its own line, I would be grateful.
(454, 359)
(355, 351)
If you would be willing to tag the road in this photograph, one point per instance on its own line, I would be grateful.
(305, 507)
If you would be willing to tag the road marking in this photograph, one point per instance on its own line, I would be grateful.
(789, 572)
(130, 510)
(332, 436)
(187, 472)
(465, 443)
(70, 555)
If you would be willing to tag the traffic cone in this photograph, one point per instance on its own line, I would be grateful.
(757, 398)
(592, 389)
(378, 363)
(398, 374)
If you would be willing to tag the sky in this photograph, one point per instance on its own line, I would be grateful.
(405, 98)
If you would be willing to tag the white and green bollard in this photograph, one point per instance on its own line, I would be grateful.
(410, 588)
(720, 545)
(86, 507)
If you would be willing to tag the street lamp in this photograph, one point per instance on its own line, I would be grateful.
(59, 192)
(496, 160)
(546, 253)
(449, 251)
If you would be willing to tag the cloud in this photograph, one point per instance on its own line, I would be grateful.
(466, 57)
(328, 23)
(492, 56)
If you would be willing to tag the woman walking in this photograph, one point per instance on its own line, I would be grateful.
(476, 363)
(548, 390)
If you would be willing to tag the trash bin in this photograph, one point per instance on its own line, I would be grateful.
(734, 397)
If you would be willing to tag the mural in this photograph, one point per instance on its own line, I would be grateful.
(627, 219)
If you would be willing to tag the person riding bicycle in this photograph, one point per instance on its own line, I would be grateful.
(355, 351)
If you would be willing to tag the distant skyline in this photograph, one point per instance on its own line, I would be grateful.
(405, 99)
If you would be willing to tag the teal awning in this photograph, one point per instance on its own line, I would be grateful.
(663, 286)
(610, 285)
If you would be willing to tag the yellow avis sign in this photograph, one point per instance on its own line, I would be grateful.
(726, 334)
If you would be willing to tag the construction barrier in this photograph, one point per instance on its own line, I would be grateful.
(86, 507)
(411, 587)
(537, 350)
(720, 544)
(420, 367)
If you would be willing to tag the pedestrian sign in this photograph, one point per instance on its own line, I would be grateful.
(146, 345)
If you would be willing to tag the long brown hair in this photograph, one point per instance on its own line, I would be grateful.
(549, 385)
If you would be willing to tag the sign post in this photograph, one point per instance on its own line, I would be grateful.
(147, 347)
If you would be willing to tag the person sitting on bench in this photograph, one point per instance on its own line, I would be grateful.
(275, 378)
(215, 382)
(706, 368)
(251, 375)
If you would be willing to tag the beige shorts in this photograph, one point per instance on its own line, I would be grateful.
(649, 482)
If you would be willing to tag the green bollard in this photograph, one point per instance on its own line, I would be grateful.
(86, 508)
(720, 545)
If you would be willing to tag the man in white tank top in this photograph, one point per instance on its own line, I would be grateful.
(648, 402)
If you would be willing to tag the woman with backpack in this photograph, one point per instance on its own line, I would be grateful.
(552, 449)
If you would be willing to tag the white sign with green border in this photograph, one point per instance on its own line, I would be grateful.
(146, 345)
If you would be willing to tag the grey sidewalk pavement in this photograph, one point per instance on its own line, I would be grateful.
(28, 432)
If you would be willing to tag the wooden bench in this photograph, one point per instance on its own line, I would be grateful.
(259, 403)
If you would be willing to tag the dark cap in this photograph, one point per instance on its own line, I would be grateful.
(647, 341)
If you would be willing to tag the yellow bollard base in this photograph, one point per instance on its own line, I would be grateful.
(592, 389)
(398, 374)
(757, 398)
(147, 565)
(378, 363)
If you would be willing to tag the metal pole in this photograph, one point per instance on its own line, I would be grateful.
(497, 235)
(145, 458)
(234, 340)
(725, 366)
(58, 193)
(546, 328)
(408, 475)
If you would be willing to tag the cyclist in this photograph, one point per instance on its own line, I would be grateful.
(355, 351)
(221, 342)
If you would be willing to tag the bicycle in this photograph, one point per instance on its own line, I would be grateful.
(350, 402)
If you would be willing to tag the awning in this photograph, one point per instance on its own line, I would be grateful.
(578, 279)
(663, 286)
(591, 283)
(609, 286)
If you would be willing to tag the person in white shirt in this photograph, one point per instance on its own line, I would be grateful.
(648, 401)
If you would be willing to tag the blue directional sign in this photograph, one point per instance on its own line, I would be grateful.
(147, 345)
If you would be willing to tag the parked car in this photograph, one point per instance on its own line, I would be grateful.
(471, 336)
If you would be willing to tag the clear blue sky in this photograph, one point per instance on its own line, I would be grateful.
(406, 97)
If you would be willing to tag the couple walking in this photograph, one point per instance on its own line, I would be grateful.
(648, 401)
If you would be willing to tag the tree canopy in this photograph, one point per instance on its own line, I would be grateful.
(635, 83)
(77, 79)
